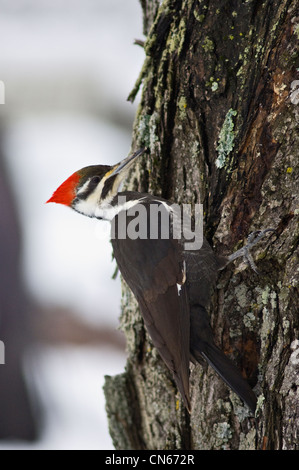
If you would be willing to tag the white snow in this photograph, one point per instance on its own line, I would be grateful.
(69, 382)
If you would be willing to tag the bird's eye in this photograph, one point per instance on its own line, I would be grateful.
(95, 180)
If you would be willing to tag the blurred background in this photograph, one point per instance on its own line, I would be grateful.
(67, 68)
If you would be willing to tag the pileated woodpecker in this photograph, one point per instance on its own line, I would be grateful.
(171, 284)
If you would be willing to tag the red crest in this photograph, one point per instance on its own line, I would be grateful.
(67, 191)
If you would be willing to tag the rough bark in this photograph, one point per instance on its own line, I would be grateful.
(219, 114)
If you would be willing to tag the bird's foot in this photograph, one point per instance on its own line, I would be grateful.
(253, 239)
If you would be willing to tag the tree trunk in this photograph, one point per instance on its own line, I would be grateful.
(218, 114)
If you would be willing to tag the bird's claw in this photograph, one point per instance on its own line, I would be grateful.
(256, 236)
(244, 252)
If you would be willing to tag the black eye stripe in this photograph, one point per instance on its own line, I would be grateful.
(108, 186)
(93, 183)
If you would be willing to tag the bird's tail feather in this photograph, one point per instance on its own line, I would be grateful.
(229, 373)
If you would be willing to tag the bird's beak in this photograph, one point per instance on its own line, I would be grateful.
(127, 162)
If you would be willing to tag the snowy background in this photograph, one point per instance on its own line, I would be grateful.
(68, 68)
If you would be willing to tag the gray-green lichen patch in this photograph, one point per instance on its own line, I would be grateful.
(241, 294)
(249, 320)
(176, 41)
(265, 295)
(226, 139)
(291, 371)
(208, 45)
(143, 130)
(214, 86)
(247, 441)
(198, 17)
(241, 411)
(148, 131)
(223, 434)
(182, 104)
(294, 95)
(259, 404)
(267, 298)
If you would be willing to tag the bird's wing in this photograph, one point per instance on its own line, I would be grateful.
(202, 267)
(154, 270)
